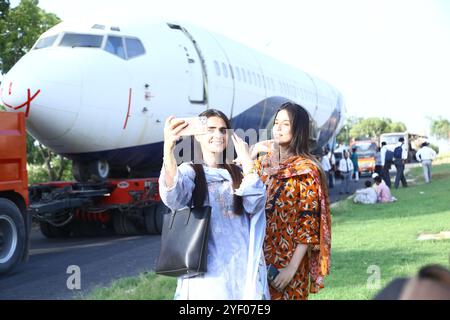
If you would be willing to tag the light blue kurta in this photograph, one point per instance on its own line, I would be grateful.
(235, 266)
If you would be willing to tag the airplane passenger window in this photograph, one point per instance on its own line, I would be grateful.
(81, 40)
(134, 47)
(238, 73)
(225, 70)
(243, 75)
(217, 67)
(114, 45)
(45, 42)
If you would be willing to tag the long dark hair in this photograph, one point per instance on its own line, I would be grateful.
(201, 188)
(300, 125)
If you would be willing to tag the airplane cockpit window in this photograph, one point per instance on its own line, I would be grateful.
(134, 47)
(81, 40)
(98, 26)
(45, 42)
(114, 45)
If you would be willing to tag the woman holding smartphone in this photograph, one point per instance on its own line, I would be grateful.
(235, 263)
(298, 233)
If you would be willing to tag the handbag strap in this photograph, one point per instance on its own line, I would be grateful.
(198, 195)
(195, 201)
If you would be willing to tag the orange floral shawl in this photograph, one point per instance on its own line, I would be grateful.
(319, 265)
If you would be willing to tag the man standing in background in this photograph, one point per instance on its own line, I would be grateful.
(354, 158)
(346, 169)
(326, 166)
(387, 157)
(426, 155)
(400, 157)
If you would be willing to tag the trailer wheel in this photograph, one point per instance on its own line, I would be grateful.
(12, 235)
(80, 171)
(150, 219)
(50, 231)
(123, 225)
(99, 170)
(118, 223)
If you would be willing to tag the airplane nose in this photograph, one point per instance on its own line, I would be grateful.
(47, 88)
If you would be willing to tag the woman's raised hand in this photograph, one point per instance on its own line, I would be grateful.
(243, 154)
(172, 129)
(260, 147)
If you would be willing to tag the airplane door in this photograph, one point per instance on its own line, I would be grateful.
(195, 67)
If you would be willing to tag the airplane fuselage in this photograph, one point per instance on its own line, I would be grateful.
(95, 93)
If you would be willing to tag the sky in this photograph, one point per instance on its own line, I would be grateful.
(389, 58)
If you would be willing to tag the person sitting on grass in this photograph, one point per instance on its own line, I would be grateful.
(368, 195)
(382, 190)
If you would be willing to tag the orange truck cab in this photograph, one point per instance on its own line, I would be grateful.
(15, 223)
(366, 151)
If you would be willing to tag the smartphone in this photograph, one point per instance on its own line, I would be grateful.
(272, 272)
(196, 125)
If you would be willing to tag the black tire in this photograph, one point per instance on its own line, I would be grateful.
(130, 226)
(99, 170)
(80, 171)
(51, 232)
(12, 235)
(161, 210)
(150, 219)
(118, 223)
(123, 225)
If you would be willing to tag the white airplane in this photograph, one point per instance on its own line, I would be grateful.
(99, 94)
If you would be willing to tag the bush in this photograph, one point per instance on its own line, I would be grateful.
(39, 173)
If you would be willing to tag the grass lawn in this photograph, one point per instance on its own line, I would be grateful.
(368, 240)
(384, 236)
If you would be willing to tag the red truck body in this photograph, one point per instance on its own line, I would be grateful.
(14, 221)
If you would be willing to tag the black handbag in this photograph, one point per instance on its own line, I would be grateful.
(184, 242)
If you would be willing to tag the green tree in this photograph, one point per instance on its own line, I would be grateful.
(33, 154)
(396, 127)
(20, 27)
(372, 128)
(344, 135)
(440, 128)
(45, 165)
(4, 8)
